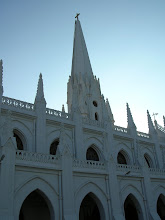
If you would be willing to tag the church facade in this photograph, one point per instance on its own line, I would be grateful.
(78, 165)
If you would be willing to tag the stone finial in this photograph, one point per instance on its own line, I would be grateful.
(164, 121)
(109, 111)
(150, 124)
(1, 76)
(130, 121)
(63, 108)
(40, 90)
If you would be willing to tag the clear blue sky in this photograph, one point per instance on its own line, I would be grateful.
(125, 41)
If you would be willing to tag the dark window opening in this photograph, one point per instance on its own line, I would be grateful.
(96, 116)
(161, 208)
(89, 209)
(95, 103)
(53, 147)
(18, 141)
(34, 207)
(121, 159)
(130, 209)
(92, 154)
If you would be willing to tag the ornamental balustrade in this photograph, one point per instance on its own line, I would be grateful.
(56, 113)
(93, 122)
(36, 157)
(89, 164)
(156, 171)
(143, 135)
(121, 129)
(17, 103)
(127, 168)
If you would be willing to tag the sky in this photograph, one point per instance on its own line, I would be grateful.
(125, 41)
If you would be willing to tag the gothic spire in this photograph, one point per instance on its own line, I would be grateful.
(164, 121)
(40, 90)
(80, 60)
(1, 77)
(150, 124)
(130, 121)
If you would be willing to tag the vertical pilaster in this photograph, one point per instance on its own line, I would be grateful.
(7, 173)
(67, 185)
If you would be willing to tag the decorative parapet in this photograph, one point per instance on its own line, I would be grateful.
(17, 103)
(93, 122)
(121, 129)
(56, 113)
(89, 164)
(143, 135)
(36, 157)
(127, 168)
(160, 128)
(155, 171)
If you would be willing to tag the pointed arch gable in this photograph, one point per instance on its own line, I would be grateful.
(98, 194)
(93, 141)
(131, 189)
(122, 147)
(55, 134)
(31, 185)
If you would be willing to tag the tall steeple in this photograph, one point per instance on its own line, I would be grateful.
(84, 94)
(80, 60)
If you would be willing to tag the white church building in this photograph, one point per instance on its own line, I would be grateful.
(78, 165)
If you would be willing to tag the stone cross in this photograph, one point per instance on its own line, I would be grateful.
(77, 15)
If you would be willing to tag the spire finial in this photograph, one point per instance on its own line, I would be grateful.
(40, 90)
(77, 15)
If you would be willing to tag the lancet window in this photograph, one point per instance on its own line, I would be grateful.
(19, 141)
(121, 158)
(53, 147)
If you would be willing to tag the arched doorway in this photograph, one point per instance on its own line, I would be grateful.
(132, 208)
(89, 209)
(161, 207)
(35, 207)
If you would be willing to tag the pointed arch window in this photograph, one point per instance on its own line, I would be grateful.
(121, 158)
(92, 154)
(53, 147)
(19, 140)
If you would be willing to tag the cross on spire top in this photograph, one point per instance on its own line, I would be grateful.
(77, 15)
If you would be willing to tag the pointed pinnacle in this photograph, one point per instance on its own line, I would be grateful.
(40, 90)
(130, 120)
(150, 123)
(164, 121)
